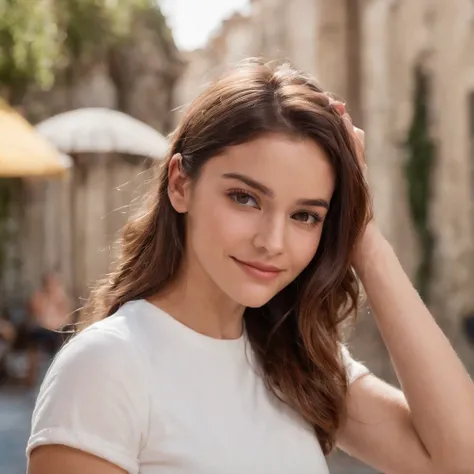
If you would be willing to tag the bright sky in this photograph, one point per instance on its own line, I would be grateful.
(193, 21)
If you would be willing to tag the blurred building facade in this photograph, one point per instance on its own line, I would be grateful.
(406, 70)
(69, 225)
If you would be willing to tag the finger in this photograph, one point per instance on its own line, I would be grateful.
(347, 117)
(360, 134)
(348, 123)
(359, 143)
(340, 108)
(337, 105)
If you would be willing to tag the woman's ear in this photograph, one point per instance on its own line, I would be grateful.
(178, 185)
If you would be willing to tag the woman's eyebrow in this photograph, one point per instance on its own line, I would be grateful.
(250, 182)
(315, 202)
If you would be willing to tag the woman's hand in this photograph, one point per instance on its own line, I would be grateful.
(357, 134)
(371, 237)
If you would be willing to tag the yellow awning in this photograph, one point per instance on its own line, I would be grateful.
(23, 151)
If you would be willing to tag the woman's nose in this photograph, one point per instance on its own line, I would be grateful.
(270, 235)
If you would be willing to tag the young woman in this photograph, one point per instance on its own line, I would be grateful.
(219, 348)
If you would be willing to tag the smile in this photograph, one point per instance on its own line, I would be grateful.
(259, 270)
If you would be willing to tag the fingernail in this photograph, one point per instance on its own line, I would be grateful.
(340, 108)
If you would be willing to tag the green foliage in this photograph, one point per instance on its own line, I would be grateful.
(418, 170)
(30, 42)
(91, 24)
(38, 36)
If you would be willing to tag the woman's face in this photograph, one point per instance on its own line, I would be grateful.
(255, 215)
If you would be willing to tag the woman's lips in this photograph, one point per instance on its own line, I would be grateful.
(259, 270)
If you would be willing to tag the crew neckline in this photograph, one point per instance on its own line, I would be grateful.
(191, 334)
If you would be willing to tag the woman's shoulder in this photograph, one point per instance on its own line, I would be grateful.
(95, 396)
(112, 342)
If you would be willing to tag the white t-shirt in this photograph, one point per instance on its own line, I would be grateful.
(152, 396)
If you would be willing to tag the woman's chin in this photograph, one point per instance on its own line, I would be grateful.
(251, 296)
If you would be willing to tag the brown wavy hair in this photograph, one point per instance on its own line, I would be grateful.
(296, 335)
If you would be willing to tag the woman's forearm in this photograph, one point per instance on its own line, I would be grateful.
(437, 387)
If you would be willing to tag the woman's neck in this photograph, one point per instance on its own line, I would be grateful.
(195, 300)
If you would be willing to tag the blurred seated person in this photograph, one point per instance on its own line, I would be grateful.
(7, 330)
(7, 339)
(50, 311)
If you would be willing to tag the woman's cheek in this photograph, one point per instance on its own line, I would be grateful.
(304, 246)
(234, 222)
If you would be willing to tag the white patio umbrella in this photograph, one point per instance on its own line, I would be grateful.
(102, 130)
(66, 160)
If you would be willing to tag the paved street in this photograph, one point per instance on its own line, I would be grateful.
(15, 412)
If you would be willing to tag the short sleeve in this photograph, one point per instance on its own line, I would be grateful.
(354, 369)
(94, 398)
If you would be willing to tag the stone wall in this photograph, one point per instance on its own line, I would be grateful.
(400, 36)
(451, 208)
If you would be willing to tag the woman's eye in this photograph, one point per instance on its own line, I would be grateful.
(307, 218)
(244, 199)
